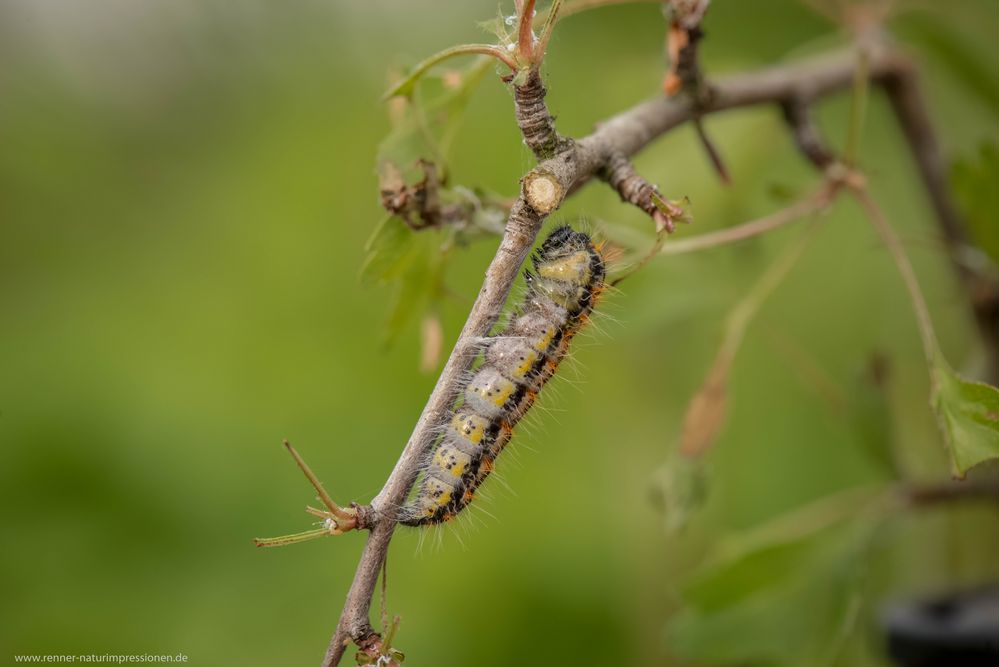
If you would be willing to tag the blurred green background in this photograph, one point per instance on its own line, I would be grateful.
(185, 192)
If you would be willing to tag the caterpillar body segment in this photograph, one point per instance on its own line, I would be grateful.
(566, 281)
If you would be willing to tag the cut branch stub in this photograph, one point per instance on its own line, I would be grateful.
(543, 191)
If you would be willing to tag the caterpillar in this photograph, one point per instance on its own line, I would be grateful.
(566, 283)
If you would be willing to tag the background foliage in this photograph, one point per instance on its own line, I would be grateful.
(185, 193)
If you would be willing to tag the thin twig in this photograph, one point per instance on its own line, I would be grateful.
(806, 134)
(335, 509)
(858, 109)
(946, 492)
(685, 75)
(930, 346)
(793, 213)
(661, 236)
(714, 155)
(620, 174)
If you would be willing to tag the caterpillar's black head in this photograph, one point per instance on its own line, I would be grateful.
(562, 241)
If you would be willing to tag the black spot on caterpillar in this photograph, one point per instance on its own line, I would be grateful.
(567, 280)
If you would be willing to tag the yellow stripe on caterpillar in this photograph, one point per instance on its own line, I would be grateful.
(451, 460)
(469, 426)
(574, 268)
(514, 358)
(439, 492)
(545, 340)
(488, 392)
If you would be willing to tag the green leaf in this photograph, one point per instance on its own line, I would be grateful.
(969, 418)
(431, 119)
(974, 180)
(389, 251)
(409, 298)
(412, 159)
(414, 263)
(406, 87)
(776, 594)
(791, 621)
(737, 580)
(412, 177)
(419, 286)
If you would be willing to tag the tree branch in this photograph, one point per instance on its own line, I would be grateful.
(572, 165)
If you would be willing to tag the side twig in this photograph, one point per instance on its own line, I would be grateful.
(685, 75)
(806, 135)
(928, 495)
(796, 212)
(620, 174)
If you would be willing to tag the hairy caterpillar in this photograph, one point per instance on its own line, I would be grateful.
(567, 280)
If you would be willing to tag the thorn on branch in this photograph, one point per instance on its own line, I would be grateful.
(713, 153)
